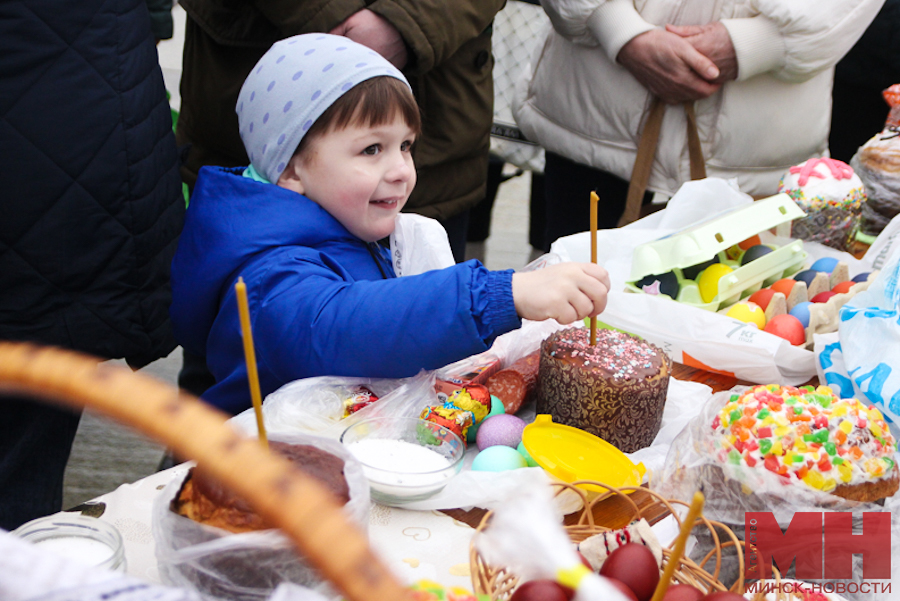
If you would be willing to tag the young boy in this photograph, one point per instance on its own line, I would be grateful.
(329, 126)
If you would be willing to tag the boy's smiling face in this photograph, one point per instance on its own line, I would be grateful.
(362, 175)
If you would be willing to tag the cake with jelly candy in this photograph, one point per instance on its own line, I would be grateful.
(810, 437)
(832, 196)
(615, 389)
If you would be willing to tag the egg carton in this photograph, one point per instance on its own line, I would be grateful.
(681, 258)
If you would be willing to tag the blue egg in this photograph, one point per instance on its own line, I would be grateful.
(807, 276)
(498, 458)
(755, 252)
(861, 277)
(826, 264)
(801, 312)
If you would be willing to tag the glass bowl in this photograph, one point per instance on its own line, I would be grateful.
(89, 541)
(406, 459)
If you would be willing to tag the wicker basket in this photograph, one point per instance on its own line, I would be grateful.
(287, 498)
(499, 583)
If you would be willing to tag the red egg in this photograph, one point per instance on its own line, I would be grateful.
(784, 286)
(762, 297)
(682, 592)
(635, 565)
(843, 287)
(723, 596)
(787, 327)
(541, 590)
(822, 297)
(623, 588)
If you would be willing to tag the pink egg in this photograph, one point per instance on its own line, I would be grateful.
(500, 429)
(787, 327)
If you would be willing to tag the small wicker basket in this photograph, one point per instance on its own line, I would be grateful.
(498, 583)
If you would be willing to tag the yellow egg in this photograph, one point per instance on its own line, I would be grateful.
(749, 313)
(708, 282)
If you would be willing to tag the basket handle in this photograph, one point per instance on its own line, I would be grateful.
(287, 498)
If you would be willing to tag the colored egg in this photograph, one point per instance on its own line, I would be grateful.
(784, 286)
(501, 429)
(750, 242)
(664, 283)
(755, 252)
(693, 271)
(682, 592)
(748, 312)
(708, 282)
(529, 460)
(861, 277)
(498, 458)
(801, 312)
(496, 409)
(807, 275)
(826, 264)
(787, 327)
(843, 287)
(823, 297)
(762, 297)
(635, 565)
(541, 590)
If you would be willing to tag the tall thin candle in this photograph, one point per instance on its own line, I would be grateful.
(594, 200)
(240, 289)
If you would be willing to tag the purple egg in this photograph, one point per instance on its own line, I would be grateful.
(500, 430)
(861, 277)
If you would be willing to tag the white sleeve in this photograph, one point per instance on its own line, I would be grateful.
(796, 39)
(608, 23)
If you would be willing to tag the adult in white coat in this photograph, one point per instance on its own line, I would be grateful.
(759, 73)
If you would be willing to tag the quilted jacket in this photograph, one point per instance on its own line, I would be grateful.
(582, 104)
(90, 196)
(322, 301)
(449, 68)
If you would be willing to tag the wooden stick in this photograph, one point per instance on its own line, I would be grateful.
(240, 289)
(687, 525)
(594, 200)
(286, 497)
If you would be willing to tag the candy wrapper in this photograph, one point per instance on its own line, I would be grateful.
(733, 487)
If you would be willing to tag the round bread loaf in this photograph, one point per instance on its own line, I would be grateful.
(206, 501)
(810, 437)
(615, 389)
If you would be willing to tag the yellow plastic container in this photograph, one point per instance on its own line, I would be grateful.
(571, 454)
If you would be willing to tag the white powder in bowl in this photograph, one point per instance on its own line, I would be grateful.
(396, 468)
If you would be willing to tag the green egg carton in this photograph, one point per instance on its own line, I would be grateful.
(709, 239)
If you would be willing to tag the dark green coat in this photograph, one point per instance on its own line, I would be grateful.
(449, 68)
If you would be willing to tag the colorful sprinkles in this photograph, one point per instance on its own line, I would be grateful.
(806, 434)
(621, 356)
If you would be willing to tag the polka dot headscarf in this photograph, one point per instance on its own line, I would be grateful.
(292, 85)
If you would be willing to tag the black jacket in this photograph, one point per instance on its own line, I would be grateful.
(90, 196)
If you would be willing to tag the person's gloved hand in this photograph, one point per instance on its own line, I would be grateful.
(565, 292)
(376, 32)
(669, 66)
(711, 40)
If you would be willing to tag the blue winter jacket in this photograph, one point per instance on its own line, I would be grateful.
(322, 302)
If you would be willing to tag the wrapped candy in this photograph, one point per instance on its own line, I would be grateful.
(465, 407)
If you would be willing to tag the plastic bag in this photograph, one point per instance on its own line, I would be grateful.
(419, 244)
(731, 491)
(865, 363)
(246, 566)
(316, 405)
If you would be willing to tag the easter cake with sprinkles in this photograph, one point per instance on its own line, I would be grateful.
(615, 389)
(809, 436)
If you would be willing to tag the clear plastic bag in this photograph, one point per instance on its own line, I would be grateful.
(733, 490)
(246, 566)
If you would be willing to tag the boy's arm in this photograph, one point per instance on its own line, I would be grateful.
(311, 322)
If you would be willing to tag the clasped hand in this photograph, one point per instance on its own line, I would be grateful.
(681, 63)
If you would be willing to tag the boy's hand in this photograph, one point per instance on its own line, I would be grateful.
(565, 292)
